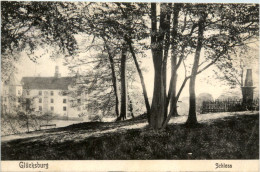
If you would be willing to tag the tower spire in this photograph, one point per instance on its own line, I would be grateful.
(57, 74)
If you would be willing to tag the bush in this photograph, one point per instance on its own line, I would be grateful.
(95, 118)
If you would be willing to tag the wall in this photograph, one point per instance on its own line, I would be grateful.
(58, 104)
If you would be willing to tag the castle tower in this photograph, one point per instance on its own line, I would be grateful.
(248, 89)
(12, 90)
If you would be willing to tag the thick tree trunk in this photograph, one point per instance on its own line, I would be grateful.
(174, 106)
(192, 118)
(158, 107)
(147, 105)
(114, 80)
(123, 110)
(158, 103)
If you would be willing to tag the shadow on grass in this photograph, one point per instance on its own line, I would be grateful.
(100, 125)
(234, 137)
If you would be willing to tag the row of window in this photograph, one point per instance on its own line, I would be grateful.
(52, 100)
(52, 108)
(51, 93)
(40, 100)
(40, 93)
(64, 108)
(13, 99)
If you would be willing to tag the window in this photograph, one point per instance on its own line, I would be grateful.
(28, 92)
(52, 101)
(40, 108)
(64, 108)
(40, 93)
(51, 93)
(52, 108)
(40, 100)
(78, 100)
(19, 92)
(5, 99)
(64, 100)
(64, 93)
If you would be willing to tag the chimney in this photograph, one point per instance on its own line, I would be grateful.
(57, 74)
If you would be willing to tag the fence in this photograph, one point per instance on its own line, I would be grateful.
(227, 106)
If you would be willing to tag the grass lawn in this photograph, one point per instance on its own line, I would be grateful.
(235, 137)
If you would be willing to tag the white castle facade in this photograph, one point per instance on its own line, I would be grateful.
(57, 95)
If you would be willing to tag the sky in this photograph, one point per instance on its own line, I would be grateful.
(205, 83)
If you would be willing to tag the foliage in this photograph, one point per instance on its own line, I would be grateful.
(28, 26)
(24, 117)
(233, 69)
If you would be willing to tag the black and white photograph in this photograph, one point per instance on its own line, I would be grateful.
(85, 80)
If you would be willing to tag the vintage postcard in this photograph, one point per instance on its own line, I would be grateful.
(129, 86)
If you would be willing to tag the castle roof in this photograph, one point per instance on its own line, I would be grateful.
(47, 83)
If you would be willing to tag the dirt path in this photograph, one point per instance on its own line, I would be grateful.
(66, 134)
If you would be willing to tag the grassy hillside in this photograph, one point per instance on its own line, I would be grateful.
(235, 137)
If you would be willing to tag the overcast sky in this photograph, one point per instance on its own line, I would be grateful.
(205, 82)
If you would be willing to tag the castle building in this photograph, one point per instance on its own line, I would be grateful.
(57, 95)
(11, 91)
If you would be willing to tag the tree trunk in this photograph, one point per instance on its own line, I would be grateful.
(158, 109)
(164, 73)
(166, 26)
(177, 98)
(123, 110)
(173, 100)
(130, 107)
(27, 124)
(147, 105)
(192, 118)
(114, 81)
(128, 40)
(158, 103)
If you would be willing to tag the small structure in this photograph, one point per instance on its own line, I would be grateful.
(248, 90)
